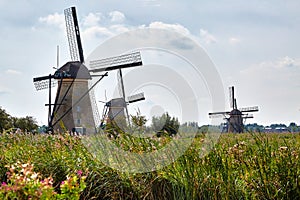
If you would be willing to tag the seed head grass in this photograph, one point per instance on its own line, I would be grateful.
(238, 166)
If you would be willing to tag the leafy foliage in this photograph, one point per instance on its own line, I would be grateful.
(5, 120)
(8, 122)
(165, 124)
(25, 123)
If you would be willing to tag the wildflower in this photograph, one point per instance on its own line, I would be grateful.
(294, 153)
(34, 176)
(24, 165)
(79, 172)
(283, 148)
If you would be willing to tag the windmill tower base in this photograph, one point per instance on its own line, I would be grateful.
(235, 122)
(80, 117)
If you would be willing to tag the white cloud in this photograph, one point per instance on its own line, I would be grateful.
(93, 30)
(282, 64)
(272, 77)
(116, 17)
(96, 31)
(54, 20)
(287, 62)
(110, 26)
(113, 25)
(234, 40)
(13, 72)
(152, 3)
(92, 19)
(175, 27)
(120, 28)
(207, 37)
(271, 85)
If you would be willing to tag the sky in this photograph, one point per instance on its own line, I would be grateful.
(254, 46)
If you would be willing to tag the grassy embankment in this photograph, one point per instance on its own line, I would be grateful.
(242, 166)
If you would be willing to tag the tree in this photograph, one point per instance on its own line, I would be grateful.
(204, 129)
(138, 122)
(274, 126)
(5, 120)
(24, 123)
(254, 128)
(27, 123)
(165, 123)
(293, 127)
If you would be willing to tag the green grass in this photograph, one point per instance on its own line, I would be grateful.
(240, 166)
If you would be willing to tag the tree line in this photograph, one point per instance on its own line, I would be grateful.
(11, 123)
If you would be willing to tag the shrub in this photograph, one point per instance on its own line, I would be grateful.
(24, 183)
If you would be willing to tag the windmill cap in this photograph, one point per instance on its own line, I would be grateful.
(117, 102)
(235, 112)
(73, 70)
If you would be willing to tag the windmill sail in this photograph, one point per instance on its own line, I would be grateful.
(231, 97)
(249, 109)
(136, 97)
(122, 92)
(117, 62)
(73, 34)
(41, 83)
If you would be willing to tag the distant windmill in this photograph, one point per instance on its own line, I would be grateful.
(72, 108)
(236, 117)
(116, 109)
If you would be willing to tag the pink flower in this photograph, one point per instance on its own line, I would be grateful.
(3, 184)
(79, 172)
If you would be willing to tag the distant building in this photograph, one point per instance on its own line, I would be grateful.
(280, 129)
(268, 129)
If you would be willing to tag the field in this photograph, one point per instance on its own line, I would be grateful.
(240, 166)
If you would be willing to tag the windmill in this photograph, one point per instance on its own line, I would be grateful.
(116, 109)
(236, 117)
(72, 108)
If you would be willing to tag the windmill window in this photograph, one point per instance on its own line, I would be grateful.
(78, 121)
(78, 109)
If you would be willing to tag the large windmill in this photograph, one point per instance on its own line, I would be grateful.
(236, 117)
(73, 109)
